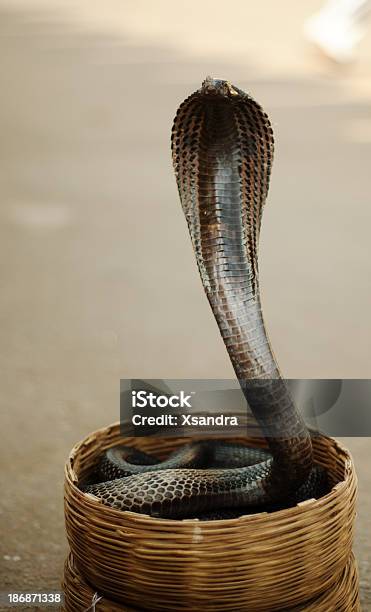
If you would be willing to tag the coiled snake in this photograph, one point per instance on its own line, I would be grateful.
(222, 146)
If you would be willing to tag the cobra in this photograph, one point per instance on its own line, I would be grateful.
(222, 147)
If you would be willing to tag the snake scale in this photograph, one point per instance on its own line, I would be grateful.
(222, 147)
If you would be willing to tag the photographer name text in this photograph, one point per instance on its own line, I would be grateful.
(145, 399)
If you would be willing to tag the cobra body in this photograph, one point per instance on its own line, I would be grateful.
(222, 145)
(122, 461)
(183, 484)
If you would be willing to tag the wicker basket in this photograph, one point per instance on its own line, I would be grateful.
(260, 562)
(79, 595)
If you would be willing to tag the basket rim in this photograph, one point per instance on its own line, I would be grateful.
(309, 505)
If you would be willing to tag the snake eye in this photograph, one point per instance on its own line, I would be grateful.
(231, 89)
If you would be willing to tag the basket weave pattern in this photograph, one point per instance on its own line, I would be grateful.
(255, 563)
(79, 595)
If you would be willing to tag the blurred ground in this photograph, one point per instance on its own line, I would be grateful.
(98, 276)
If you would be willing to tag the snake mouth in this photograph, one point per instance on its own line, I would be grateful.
(218, 87)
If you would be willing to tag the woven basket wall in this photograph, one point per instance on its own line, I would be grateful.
(341, 597)
(262, 562)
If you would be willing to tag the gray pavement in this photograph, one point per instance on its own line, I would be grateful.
(98, 277)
